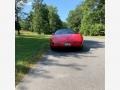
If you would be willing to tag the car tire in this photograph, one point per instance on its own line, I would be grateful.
(81, 47)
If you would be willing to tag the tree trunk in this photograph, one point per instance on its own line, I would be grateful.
(18, 32)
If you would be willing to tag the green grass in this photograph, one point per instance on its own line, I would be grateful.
(29, 49)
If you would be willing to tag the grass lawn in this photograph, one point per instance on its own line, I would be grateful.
(29, 48)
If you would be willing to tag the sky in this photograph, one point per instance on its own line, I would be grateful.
(63, 6)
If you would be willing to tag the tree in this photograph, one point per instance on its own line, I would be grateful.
(74, 19)
(30, 18)
(64, 25)
(36, 16)
(93, 17)
(88, 17)
(54, 20)
(45, 19)
(40, 21)
(18, 6)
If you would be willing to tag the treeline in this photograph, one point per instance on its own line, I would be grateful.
(88, 18)
(42, 19)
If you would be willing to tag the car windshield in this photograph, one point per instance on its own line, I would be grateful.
(64, 31)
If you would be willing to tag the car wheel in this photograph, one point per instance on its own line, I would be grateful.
(81, 48)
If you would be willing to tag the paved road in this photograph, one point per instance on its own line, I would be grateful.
(69, 70)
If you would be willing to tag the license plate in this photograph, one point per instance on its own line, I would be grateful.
(67, 44)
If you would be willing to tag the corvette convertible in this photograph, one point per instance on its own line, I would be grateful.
(66, 38)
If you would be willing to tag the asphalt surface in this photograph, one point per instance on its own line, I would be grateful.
(69, 70)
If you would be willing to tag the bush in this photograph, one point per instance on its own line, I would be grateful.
(85, 29)
(92, 30)
(97, 29)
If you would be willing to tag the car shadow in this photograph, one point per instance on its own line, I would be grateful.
(87, 45)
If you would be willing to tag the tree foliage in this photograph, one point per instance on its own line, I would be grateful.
(18, 6)
(74, 19)
(54, 20)
(44, 18)
(37, 20)
(88, 18)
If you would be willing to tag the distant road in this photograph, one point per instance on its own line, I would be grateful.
(69, 70)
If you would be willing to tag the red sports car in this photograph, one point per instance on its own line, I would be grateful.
(64, 38)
